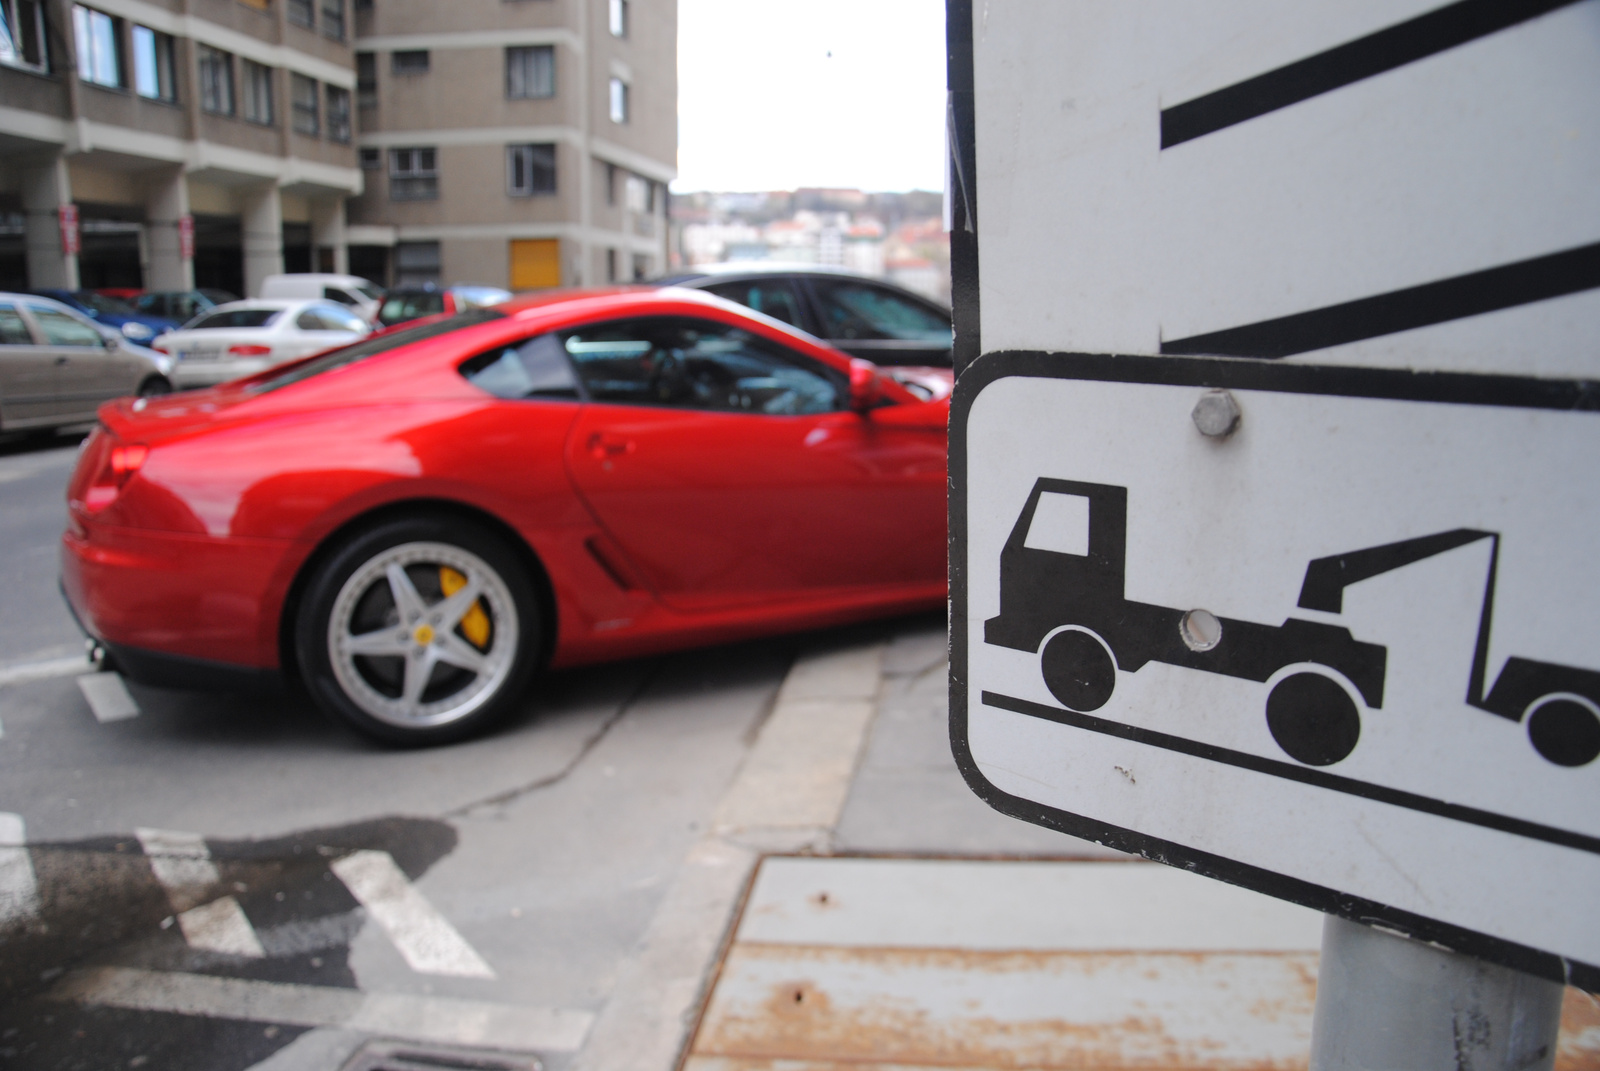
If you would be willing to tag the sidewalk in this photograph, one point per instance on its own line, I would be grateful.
(855, 905)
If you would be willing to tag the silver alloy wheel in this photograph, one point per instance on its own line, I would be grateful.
(423, 636)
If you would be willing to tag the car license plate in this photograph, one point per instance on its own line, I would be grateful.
(203, 353)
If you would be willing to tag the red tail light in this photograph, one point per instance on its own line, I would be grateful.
(249, 351)
(124, 460)
(160, 347)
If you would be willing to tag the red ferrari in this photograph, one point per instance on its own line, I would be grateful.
(418, 523)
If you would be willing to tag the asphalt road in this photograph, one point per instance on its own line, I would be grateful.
(490, 891)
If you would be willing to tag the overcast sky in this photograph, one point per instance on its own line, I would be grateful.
(775, 94)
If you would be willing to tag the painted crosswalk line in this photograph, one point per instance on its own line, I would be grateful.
(424, 937)
(24, 672)
(220, 926)
(19, 890)
(108, 697)
(182, 864)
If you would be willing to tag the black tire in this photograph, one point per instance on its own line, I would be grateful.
(1078, 670)
(1313, 719)
(370, 653)
(1564, 731)
(155, 386)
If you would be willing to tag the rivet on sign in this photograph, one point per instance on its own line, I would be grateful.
(1216, 414)
(1200, 630)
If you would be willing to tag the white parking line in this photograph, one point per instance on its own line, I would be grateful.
(220, 926)
(438, 1020)
(428, 942)
(108, 697)
(19, 890)
(23, 672)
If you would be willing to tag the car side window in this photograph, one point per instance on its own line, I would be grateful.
(308, 320)
(852, 310)
(533, 368)
(699, 364)
(64, 329)
(335, 318)
(13, 332)
(333, 293)
(774, 297)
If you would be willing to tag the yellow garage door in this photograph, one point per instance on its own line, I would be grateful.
(535, 263)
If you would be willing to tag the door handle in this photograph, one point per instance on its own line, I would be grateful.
(602, 447)
(62, 360)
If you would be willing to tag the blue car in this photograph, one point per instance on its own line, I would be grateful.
(134, 325)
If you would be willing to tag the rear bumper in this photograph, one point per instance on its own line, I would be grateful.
(210, 373)
(178, 605)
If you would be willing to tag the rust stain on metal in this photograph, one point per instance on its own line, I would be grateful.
(1579, 1047)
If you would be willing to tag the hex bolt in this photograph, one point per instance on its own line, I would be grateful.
(1200, 630)
(1216, 414)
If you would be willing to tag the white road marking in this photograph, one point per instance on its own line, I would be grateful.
(108, 697)
(220, 926)
(23, 672)
(438, 1020)
(19, 890)
(428, 942)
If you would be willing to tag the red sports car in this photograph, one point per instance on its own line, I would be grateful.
(418, 523)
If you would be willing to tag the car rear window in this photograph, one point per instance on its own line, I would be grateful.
(235, 318)
(401, 307)
(375, 344)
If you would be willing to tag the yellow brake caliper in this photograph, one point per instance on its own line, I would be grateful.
(475, 625)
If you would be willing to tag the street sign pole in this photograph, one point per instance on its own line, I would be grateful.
(1387, 1001)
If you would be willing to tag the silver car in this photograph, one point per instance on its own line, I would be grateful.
(57, 366)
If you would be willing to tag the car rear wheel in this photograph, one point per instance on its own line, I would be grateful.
(419, 631)
(1313, 719)
(1078, 669)
(155, 385)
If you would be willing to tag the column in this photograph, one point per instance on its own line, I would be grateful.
(328, 232)
(261, 221)
(167, 204)
(45, 188)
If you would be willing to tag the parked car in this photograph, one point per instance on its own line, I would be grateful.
(244, 337)
(419, 523)
(181, 306)
(400, 306)
(135, 325)
(57, 366)
(863, 316)
(357, 293)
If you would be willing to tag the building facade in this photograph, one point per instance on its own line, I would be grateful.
(515, 143)
(167, 144)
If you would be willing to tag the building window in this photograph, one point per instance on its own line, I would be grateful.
(530, 169)
(619, 18)
(302, 13)
(371, 159)
(366, 80)
(22, 35)
(413, 175)
(255, 92)
(611, 265)
(531, 72)
(153, 64)
(612, 170)
(216, 80)
(99, 40)
(619, 101)
(638, 195)
(338, 115)
(416, 264)
(303, 105)
(409, 62)
(333, 19)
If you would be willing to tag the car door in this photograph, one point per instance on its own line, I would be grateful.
(729, 469)
(28, 393)
(87, 371)
(885, 326)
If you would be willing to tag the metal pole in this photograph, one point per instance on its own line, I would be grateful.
(1388, 1003)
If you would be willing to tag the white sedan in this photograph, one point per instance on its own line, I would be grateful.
(244, 337)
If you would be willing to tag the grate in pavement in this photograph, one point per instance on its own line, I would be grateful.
(399, 1056)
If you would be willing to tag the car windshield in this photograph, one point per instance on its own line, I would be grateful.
(375, 344)
(235, 318)
(372, 292)
(409, 305)
(101, 303)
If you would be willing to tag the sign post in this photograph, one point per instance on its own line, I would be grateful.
(1272, 498)
(67, 216)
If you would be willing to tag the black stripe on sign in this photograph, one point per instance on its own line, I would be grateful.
(1460, 296)
(1445, 28)
(1290, 771)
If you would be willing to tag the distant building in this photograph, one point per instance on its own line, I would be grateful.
(519, 143)
(167, 144)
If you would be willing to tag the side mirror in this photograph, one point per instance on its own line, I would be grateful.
(865, 390)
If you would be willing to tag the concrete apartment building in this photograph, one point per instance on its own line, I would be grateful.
(166, 144)
(516, 143)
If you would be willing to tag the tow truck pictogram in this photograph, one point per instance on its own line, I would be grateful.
(1071, 610)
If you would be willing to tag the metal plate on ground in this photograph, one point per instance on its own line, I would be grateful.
(1344, 654)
